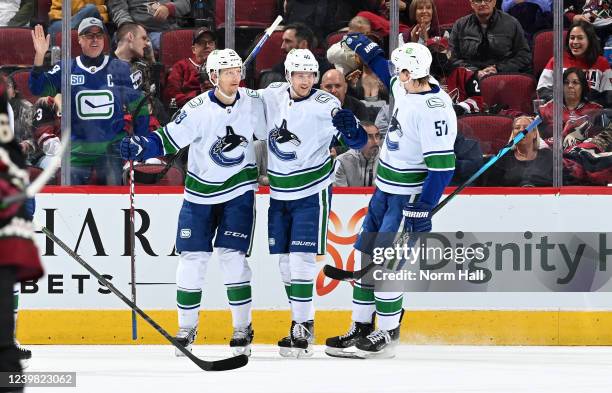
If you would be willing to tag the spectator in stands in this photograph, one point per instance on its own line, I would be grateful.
(134, 47)
(295, 36)
(533, 15)
(572, 11)
(340, 55)
(489, 41)
(46, 131)
(15, 13)
(582, 50)
(424, 21)
(102, 92)
(81, 9)
(599, 14)
(185, 81)
(357, 168)
(461, 84)
(156, 17)
(333, 82)
(590, 162)
(380, 18)
(22, 113)
(576, 104)
(527, 165)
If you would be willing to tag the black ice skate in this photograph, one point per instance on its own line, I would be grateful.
(24, 355)
(185, 336)
(378, 344)
(344, 346)
(284, 344)
(302, 338)
(241, 340)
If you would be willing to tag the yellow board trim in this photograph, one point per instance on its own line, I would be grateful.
(462, 327)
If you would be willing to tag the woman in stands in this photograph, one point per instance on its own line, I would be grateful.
(528, 165)
(424, 21)
(576, 105)
(583, 51)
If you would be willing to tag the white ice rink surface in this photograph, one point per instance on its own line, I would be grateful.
(447, 369)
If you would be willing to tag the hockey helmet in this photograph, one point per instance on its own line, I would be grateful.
(413, 57)
(220, 59)
(301, 60)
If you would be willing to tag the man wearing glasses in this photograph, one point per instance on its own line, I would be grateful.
(102, 91)
(489, 41)
(187, 78)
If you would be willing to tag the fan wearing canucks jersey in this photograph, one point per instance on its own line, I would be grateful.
(301, 127)
(417, 162)
(102, 91)
(219, 199)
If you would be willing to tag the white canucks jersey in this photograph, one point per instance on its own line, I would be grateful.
(421, 137)
(300, 132)
(221, 162)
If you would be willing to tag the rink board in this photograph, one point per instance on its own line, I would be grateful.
(67, 306)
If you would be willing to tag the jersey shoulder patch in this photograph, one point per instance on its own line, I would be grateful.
(195, 102)
(435, 102)
(276, 85)
(252, 93)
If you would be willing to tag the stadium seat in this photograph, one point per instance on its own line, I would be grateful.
(270, 54)
(17, 47)
(21, 84)
(175, 45)
(75, 48)
(493, 131)
(451, 10)
(248, 13)
(543, 50)
(512, 89)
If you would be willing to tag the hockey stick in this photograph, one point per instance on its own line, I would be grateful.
(215, 365)
(345, 275)
(261, 43)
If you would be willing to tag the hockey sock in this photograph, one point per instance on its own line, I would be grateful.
(388, 309)
(363, 297)
(237, 279)
(190, 275)
(285, 271)
(303, 271)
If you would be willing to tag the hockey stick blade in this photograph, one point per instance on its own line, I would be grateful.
(206, 365)
(346, 275)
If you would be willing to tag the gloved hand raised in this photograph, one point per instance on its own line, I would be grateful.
(417, 217)
(363, 46)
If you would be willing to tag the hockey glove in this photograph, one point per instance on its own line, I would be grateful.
(140, 148)
(354, 135)
(363, 46)
(417, 217)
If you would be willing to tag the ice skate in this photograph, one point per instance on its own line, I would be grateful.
(344, 346)
(241, 340)
(186, 336)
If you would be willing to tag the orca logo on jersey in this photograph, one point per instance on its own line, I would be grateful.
(280, 135)
(229, 142)
(394, 128)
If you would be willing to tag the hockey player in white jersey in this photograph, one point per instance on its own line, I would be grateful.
(301, 127)
(417, 162)
(219, 198)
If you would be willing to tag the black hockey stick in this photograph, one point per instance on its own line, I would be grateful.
(214, 365)
(346, 275)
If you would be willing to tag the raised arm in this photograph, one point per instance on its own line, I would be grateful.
(371, 54)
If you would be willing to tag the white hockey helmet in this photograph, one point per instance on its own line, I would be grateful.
(220, 59)
(413, 57)
(301, 60)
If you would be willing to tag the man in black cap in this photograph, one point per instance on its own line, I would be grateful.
(187, 80)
